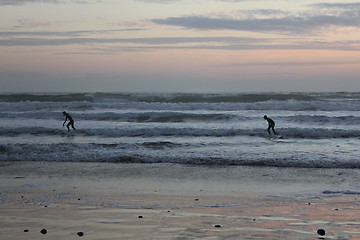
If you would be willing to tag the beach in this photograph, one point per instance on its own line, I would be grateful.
(173, 201)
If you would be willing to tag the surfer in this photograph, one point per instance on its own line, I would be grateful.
(271, 124)
(71, 121)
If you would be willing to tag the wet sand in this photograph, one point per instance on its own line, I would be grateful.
(165, 201)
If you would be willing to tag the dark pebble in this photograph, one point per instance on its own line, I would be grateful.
(140, 216)
(321, 232)
(43, 231)
(196, 199)
(80, 234)
(26, 230)
(217, 226)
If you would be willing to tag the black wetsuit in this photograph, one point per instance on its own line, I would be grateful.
(271, 125)
(71, 121)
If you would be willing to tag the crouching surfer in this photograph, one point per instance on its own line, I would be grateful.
(271, 125)
(71, 121)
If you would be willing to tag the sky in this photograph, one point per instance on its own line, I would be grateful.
(179, 45)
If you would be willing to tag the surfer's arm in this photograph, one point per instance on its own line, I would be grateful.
(65, 121)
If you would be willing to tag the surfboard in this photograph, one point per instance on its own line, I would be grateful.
(68, 133)
(276, 137)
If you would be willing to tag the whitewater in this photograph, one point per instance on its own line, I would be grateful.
(318, 130)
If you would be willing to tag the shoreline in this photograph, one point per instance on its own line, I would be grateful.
(169, 201)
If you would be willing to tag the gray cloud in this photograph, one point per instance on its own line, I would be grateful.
(148, 41)
(66, 33)
(337, 5)
(295, 63)
(22, 2)
(113, 45)
(273, 21)
(293, 25)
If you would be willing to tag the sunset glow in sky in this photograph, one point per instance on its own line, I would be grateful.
(179, 45)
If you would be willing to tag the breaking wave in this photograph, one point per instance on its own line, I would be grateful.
(315, 129)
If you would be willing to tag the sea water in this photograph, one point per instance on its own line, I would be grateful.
(315, 130)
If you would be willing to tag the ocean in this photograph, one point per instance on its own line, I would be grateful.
(316, 130)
